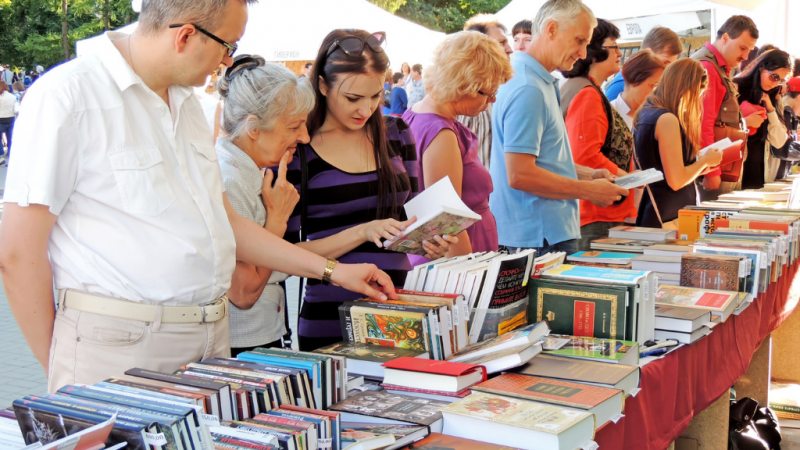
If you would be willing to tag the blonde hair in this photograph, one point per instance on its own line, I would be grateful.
(463, 64)
(680, 92)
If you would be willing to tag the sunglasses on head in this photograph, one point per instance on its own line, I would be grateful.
(354, 45)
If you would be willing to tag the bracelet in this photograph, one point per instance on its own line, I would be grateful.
(326, 276)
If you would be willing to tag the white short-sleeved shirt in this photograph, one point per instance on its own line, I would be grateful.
(135, 184)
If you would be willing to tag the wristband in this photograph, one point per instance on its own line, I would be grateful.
(326, 276)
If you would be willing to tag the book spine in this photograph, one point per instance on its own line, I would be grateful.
(242, 443)
(346, 322)
(165, 377)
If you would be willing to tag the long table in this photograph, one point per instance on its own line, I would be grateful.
(685, 382)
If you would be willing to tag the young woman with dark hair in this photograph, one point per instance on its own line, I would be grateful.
(358, 167)
(598, 135)
(760, 90)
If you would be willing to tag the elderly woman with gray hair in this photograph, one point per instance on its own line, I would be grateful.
(264, 118)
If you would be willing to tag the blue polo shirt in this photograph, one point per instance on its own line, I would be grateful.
(527, 119)
(615, 87)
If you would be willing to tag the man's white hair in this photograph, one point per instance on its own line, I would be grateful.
(562, 12)
(159, 14)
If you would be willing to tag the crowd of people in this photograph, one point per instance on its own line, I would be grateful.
(154, 233)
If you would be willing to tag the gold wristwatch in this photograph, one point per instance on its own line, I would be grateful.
(326, 276)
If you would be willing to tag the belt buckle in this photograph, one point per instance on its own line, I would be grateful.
(204, 313)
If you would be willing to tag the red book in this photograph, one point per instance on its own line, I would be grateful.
(605, 403)
(732, 153)
(434, 375)
(752, 225)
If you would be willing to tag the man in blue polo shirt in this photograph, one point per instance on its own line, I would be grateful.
(536, 183)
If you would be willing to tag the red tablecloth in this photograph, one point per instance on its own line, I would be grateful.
(688, 380)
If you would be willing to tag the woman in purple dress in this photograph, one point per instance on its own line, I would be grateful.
(468, 69)
(359, 167)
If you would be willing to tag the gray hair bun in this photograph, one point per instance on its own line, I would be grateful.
(241, 64)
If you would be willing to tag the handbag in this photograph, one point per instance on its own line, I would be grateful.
(751, 427)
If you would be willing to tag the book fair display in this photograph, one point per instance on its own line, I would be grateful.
(483, 351)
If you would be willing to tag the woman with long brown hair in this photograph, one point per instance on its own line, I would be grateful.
(358, 167)
(667, 137)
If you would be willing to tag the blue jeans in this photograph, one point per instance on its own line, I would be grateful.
(7, 130)
(570, 247)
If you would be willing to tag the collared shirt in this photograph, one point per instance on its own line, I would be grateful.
(623, 109)
(263, 323)
(527, 119)
(416, 93)
(712, 99)
(135, 184)
(481, 125)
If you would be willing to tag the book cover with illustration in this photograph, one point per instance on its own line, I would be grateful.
(516, 412)
(711, 272)
(606, 350)
(547, 390)
(387, 328)
(438, 441)
(439, 211)
(398, 407)
(368, 352)
(580, 309)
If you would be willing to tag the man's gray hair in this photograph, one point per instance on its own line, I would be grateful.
(157, 15)
(267, 92)
(561, 11)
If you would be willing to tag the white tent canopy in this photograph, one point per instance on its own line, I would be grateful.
(771, 16)
(281, 30)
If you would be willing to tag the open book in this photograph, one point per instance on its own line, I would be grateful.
(639, 179)
(439, 211)
(731, 151)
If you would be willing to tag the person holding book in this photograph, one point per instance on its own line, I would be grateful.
(118, 202)
(359, 166)
(264, 119)
(468, 68)
(598, 135)
(537, 185)
(667, 133)
(759, 89)
(722, 117)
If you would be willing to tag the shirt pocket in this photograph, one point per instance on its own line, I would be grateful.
(209, 169)
(142, 180)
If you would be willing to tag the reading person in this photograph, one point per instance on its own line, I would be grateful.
(122, 190)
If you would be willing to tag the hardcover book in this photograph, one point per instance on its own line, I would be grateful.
(643, 233)
(439, 211)
(396, 407)
(617, 376)
(438, 441)
(387, 328)
(621, 244)
(606, 404)
(580, 309)
(711, 272)
(684, 320)
(367, 359)
(516, 422)
(526, 335)
(435, 375)
(602, 257)
(403, 434)
(593, 349)
(689, 297)
(503, 360)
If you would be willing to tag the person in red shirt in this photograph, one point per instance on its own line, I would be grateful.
(598, 135)
(721, 114)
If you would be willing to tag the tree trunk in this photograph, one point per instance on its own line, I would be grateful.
(64, 30)
(106, 14)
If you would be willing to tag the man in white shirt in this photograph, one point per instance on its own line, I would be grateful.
(119, 202)
(416, 92)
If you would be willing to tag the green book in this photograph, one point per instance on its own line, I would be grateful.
(582, 309)
(593, 349)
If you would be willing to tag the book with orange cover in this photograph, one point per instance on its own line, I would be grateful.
(752, 225)
(605, 403)
(438, 441)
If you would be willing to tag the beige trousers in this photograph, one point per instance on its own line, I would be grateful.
(89, 348)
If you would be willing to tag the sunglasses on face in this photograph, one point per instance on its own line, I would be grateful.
(230, 48)
(775, 78)
(354, 45)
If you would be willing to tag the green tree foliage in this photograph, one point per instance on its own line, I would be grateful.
(441, 15)
(30, 30)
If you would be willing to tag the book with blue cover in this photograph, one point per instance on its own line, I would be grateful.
(602, 257)
(313, 368)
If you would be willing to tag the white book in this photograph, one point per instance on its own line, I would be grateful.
(639, 179)
(439, 211)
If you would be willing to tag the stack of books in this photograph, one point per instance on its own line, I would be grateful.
(596, 301)
(439, 380)
(493, 286)
(366, 360)
(718, 303)
(685, 325)
(382, 407)
(505, 352)
(654, 235)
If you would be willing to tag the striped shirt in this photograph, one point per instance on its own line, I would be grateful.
(339, 200)
(481, 125)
